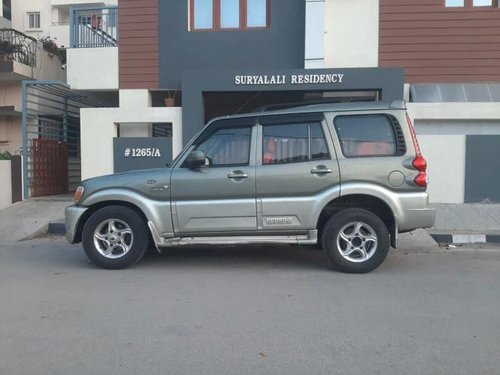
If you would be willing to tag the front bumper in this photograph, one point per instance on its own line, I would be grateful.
(72, 216)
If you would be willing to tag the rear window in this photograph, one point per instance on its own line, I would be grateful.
(366, 135)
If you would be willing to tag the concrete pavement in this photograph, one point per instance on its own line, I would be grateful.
(248, 310)
(30, 219)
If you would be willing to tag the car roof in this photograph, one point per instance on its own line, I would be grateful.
(324, 107)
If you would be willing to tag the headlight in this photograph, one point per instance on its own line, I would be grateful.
(78, 194)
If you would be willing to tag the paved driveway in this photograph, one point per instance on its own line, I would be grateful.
(274, 310)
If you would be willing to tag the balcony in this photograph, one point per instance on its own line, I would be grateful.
(70, 3)
(16, 46)
(94, 27)
(18, 54)
(93, 48)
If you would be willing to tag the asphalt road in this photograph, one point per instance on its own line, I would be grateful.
(251, 310)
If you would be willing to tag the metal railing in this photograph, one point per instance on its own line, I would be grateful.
(94, 27)
(18, 47)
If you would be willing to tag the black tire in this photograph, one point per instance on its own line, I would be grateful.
(123, 256)
(371, 226)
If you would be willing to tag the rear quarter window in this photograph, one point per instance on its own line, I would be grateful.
(366, 135)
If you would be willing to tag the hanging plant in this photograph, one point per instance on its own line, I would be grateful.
(52, 48)
(8, 48)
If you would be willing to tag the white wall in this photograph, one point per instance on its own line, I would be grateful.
(20, 8)
(352, 33)
(10, 134)
(48, 66)
(59, 29)
(442, 130)
(454, 111)
(98, 128)
(315, 34)
(4, 22)
(5, 184)
(93, 68)
(445, 155)
(10, 94)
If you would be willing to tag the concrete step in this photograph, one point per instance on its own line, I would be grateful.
(30, 219)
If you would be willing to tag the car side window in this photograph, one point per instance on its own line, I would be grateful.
(229, 146)
(292, 143)
(365, 135)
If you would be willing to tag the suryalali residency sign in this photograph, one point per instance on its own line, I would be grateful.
(285, 79)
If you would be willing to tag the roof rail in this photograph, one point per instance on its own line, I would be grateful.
(273, 107)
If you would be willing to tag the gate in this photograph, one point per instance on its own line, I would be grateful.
(51, 137)
(50, 167)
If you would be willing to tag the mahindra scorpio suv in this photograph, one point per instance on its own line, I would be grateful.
(346, 177)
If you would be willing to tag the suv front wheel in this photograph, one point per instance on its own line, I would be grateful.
(355, 240)
(115, 237)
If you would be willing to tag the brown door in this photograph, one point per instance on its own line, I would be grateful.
(50, 168)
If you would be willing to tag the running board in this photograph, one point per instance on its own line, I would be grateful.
(311, 238)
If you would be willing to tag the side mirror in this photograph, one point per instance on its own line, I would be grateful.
(195, 159)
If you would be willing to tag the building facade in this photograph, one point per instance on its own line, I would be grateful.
(38, 123)
(176, 64)
(23, 57)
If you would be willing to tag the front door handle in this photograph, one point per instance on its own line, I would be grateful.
(237, 175)
(321, 169)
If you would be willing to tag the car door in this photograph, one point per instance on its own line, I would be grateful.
(297, 165)
(220, 196)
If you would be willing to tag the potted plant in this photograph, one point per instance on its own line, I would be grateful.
(53, 49)
(170, 99)
(6, 155)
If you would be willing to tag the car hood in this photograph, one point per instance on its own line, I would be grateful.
(134, 180)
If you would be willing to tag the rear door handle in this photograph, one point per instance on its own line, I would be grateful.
(321, 169)
(237, 175)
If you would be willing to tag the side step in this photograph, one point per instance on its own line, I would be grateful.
(310, 238)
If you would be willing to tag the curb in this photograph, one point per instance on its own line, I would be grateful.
(465, 238)
(57, 229)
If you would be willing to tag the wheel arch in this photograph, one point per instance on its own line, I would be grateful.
(99, 205)
(371, 203)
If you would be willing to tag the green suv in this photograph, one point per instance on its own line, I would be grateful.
(347, 177)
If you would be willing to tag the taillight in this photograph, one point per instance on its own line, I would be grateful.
(421, 179)
(419, 162)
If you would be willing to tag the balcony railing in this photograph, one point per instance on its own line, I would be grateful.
(16, 46)
(94, 27)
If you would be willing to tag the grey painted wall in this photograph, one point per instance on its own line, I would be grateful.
(482, 166)
(281, 46)
(388, 81)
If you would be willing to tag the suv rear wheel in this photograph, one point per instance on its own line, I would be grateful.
(355, 240)
(115, 237)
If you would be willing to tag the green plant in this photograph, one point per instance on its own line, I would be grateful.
(51, 47)
(6, 155)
